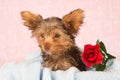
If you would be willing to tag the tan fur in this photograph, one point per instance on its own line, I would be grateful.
(31, 20)
(74, 19)
(56, 39)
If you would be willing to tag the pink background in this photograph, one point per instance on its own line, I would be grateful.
(102, 21)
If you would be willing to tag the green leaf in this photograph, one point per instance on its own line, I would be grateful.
(100, 67)
(102, 46)
(97, 42)
(110, 56)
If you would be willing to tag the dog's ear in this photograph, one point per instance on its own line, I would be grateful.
(73, 20)
(31, 20)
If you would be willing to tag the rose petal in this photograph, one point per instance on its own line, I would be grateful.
(87, 47)
(98, 46)
(92, 55)
(89, 65)
(99, 59)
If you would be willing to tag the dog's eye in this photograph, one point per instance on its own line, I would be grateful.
(42, 36)
(56, 35)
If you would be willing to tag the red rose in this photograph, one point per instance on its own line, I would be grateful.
(92, 55)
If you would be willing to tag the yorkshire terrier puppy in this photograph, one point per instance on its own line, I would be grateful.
(56, 38)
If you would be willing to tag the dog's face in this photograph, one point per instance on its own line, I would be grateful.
(54, 35)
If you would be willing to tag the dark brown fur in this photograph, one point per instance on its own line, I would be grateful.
(56, 38)
(66, 60)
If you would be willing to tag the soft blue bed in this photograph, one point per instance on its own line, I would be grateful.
(31, 69)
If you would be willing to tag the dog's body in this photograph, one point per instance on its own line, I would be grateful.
(56, 38)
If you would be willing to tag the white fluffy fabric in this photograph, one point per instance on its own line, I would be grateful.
(31, 69)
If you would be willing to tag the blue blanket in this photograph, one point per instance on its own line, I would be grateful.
(31, 69)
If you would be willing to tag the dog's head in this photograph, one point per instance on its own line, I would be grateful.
(54, 35)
